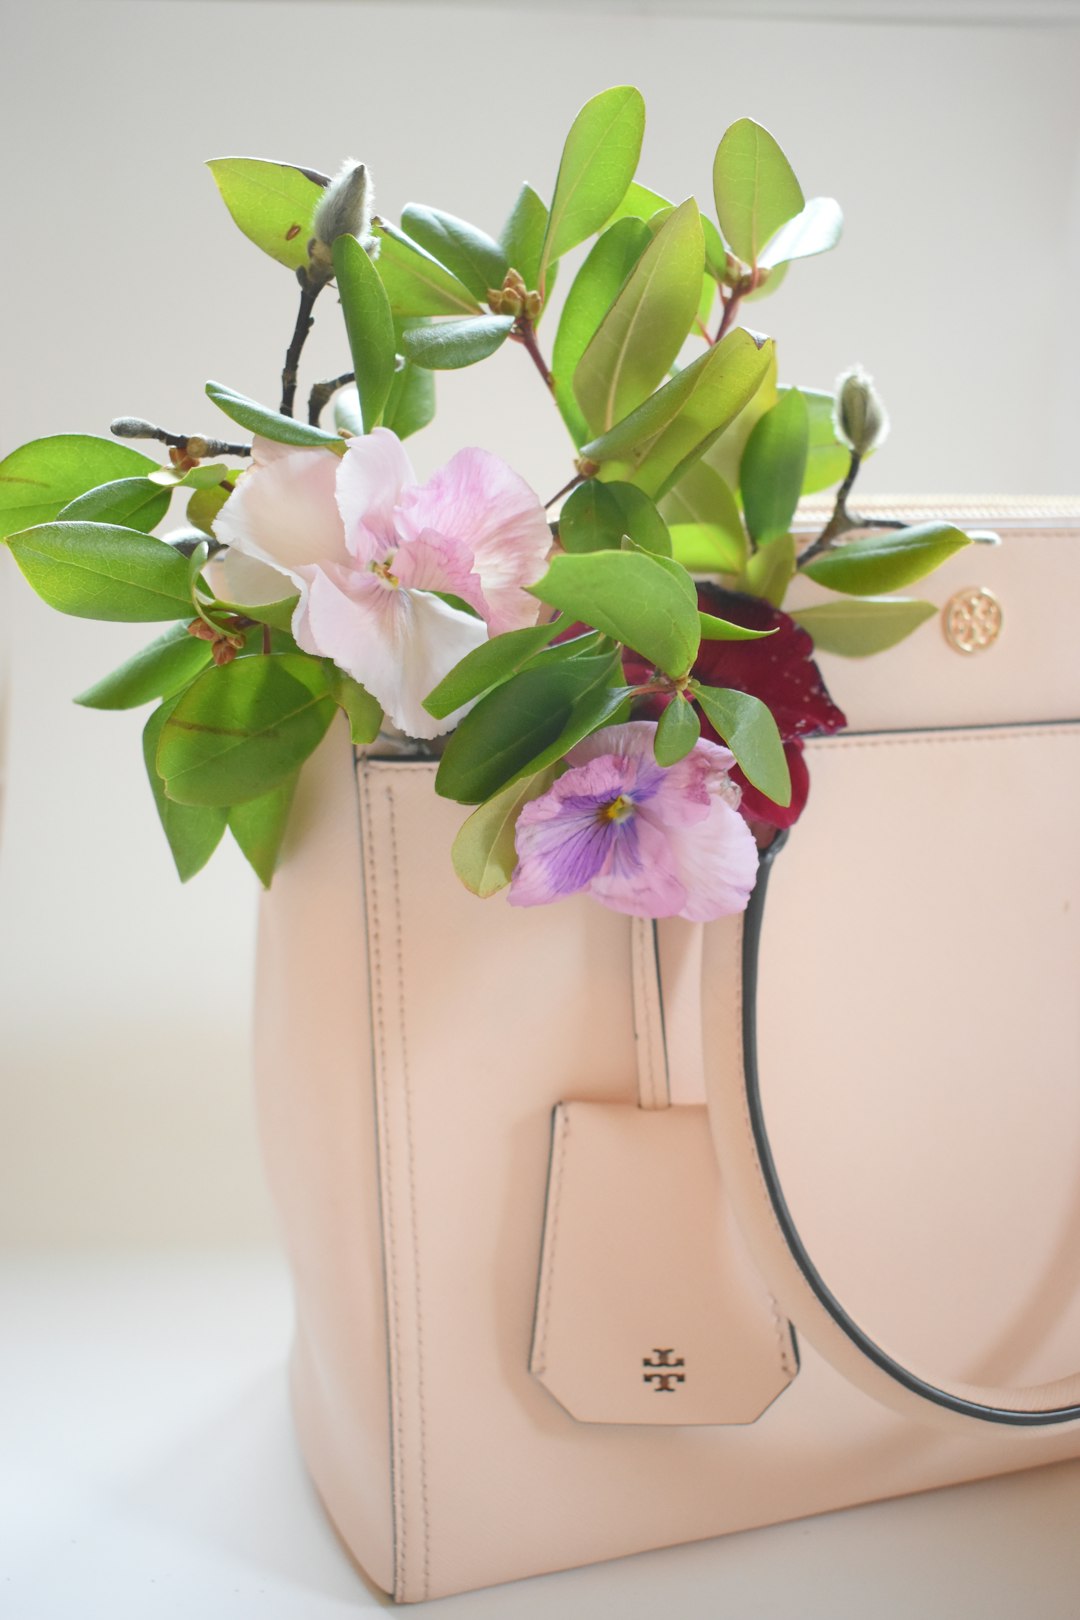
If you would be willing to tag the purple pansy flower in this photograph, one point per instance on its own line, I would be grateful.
(639, 837)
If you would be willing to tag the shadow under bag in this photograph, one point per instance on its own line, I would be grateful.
(608, 1235)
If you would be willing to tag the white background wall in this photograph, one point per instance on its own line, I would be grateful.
(124, 999)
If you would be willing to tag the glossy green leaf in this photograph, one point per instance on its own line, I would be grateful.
(193, 831)
(598, 163)
(134, 503)
(706, 548)
(370, 326)
(594, 289)
(417, 284)
(639, 202)
(449, 345)
(270, 424)
(643, 331)
(655, 444)
(677, 730)
(157, 671)
(478, 261)
(628, 595)
(827, 459)
(243, 729)
(725, 453)
(815, 229)
(714, 629)
(596, 516)
(206, 475)
(102, 571)
(40, 478)
(603, 704)
(511, 727)
(886, 561)
(769, 571)
(273, 204)
(749, 730)
(411, 405)
(486, 667)
(364, 713)
(773, 466)
(259, 827)
(483, 853)
(754, 188)
(204, 506)
(864, 625)
(716, 254)
(522, 237)
(278, 615)
(701, 496)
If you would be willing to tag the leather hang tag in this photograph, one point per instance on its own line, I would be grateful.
(648, 1309)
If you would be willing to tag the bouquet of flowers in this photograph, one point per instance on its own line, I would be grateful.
(608, 677)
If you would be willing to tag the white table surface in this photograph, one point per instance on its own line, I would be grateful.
(148, 1470)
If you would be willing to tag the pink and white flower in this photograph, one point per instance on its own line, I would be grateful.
(372, 553)
(651, 840)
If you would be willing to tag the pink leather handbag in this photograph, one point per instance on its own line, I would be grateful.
(609, 1235)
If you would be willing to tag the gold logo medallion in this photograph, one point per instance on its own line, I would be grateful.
(972, 620)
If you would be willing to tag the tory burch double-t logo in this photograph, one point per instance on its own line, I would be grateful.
(663, 1376)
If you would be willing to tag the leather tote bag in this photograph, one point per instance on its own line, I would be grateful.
(608, 1235)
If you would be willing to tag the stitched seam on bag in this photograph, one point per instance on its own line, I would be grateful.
(644, 1017)
(1034, 732)
(407, 1091)
(558, 1157)
(400, 1515)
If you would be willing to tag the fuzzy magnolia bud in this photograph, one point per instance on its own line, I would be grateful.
(858, 414)
(344, 209)
(133, 427)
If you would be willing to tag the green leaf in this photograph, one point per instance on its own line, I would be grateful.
(702, 497)
(417, 284)
(411, 405)
(364, 712)
(273, 204)
(628, 595)
(486, 667)
(596, 516)
(639, 202)
(157, 671)
(887, 561)
(815, 229)
(598, 163)
(601, 705)
(522, 237)
(769, 571)
(370, 326)
(512, 726)
(206, 475)
(271, 424)
(827, 459)
(134, 503)
(483, 852)
(193, 832)
(241, 730)
(770, 282)
(204, 506)
(474, 257)
(706, 548)
(278, 615)
(725, 454)
(449, 345)
(594, 289)
(754, 187)
(102, 571)
(643, 331)
(773, 465)
(40, 478)
(677, 730)
(748, 728)
(259, 826)
(716, 254)
(855, 629)
(714, 629)
(655, 444)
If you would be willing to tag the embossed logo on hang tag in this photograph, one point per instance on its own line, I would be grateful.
(664, 1377)
(972, 620)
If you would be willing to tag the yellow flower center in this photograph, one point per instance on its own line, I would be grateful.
(384, 573)
(620, 809)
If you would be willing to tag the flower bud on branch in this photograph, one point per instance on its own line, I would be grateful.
(344, 209)
(858, 415)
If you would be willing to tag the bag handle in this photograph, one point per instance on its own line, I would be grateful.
(752, 1181)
